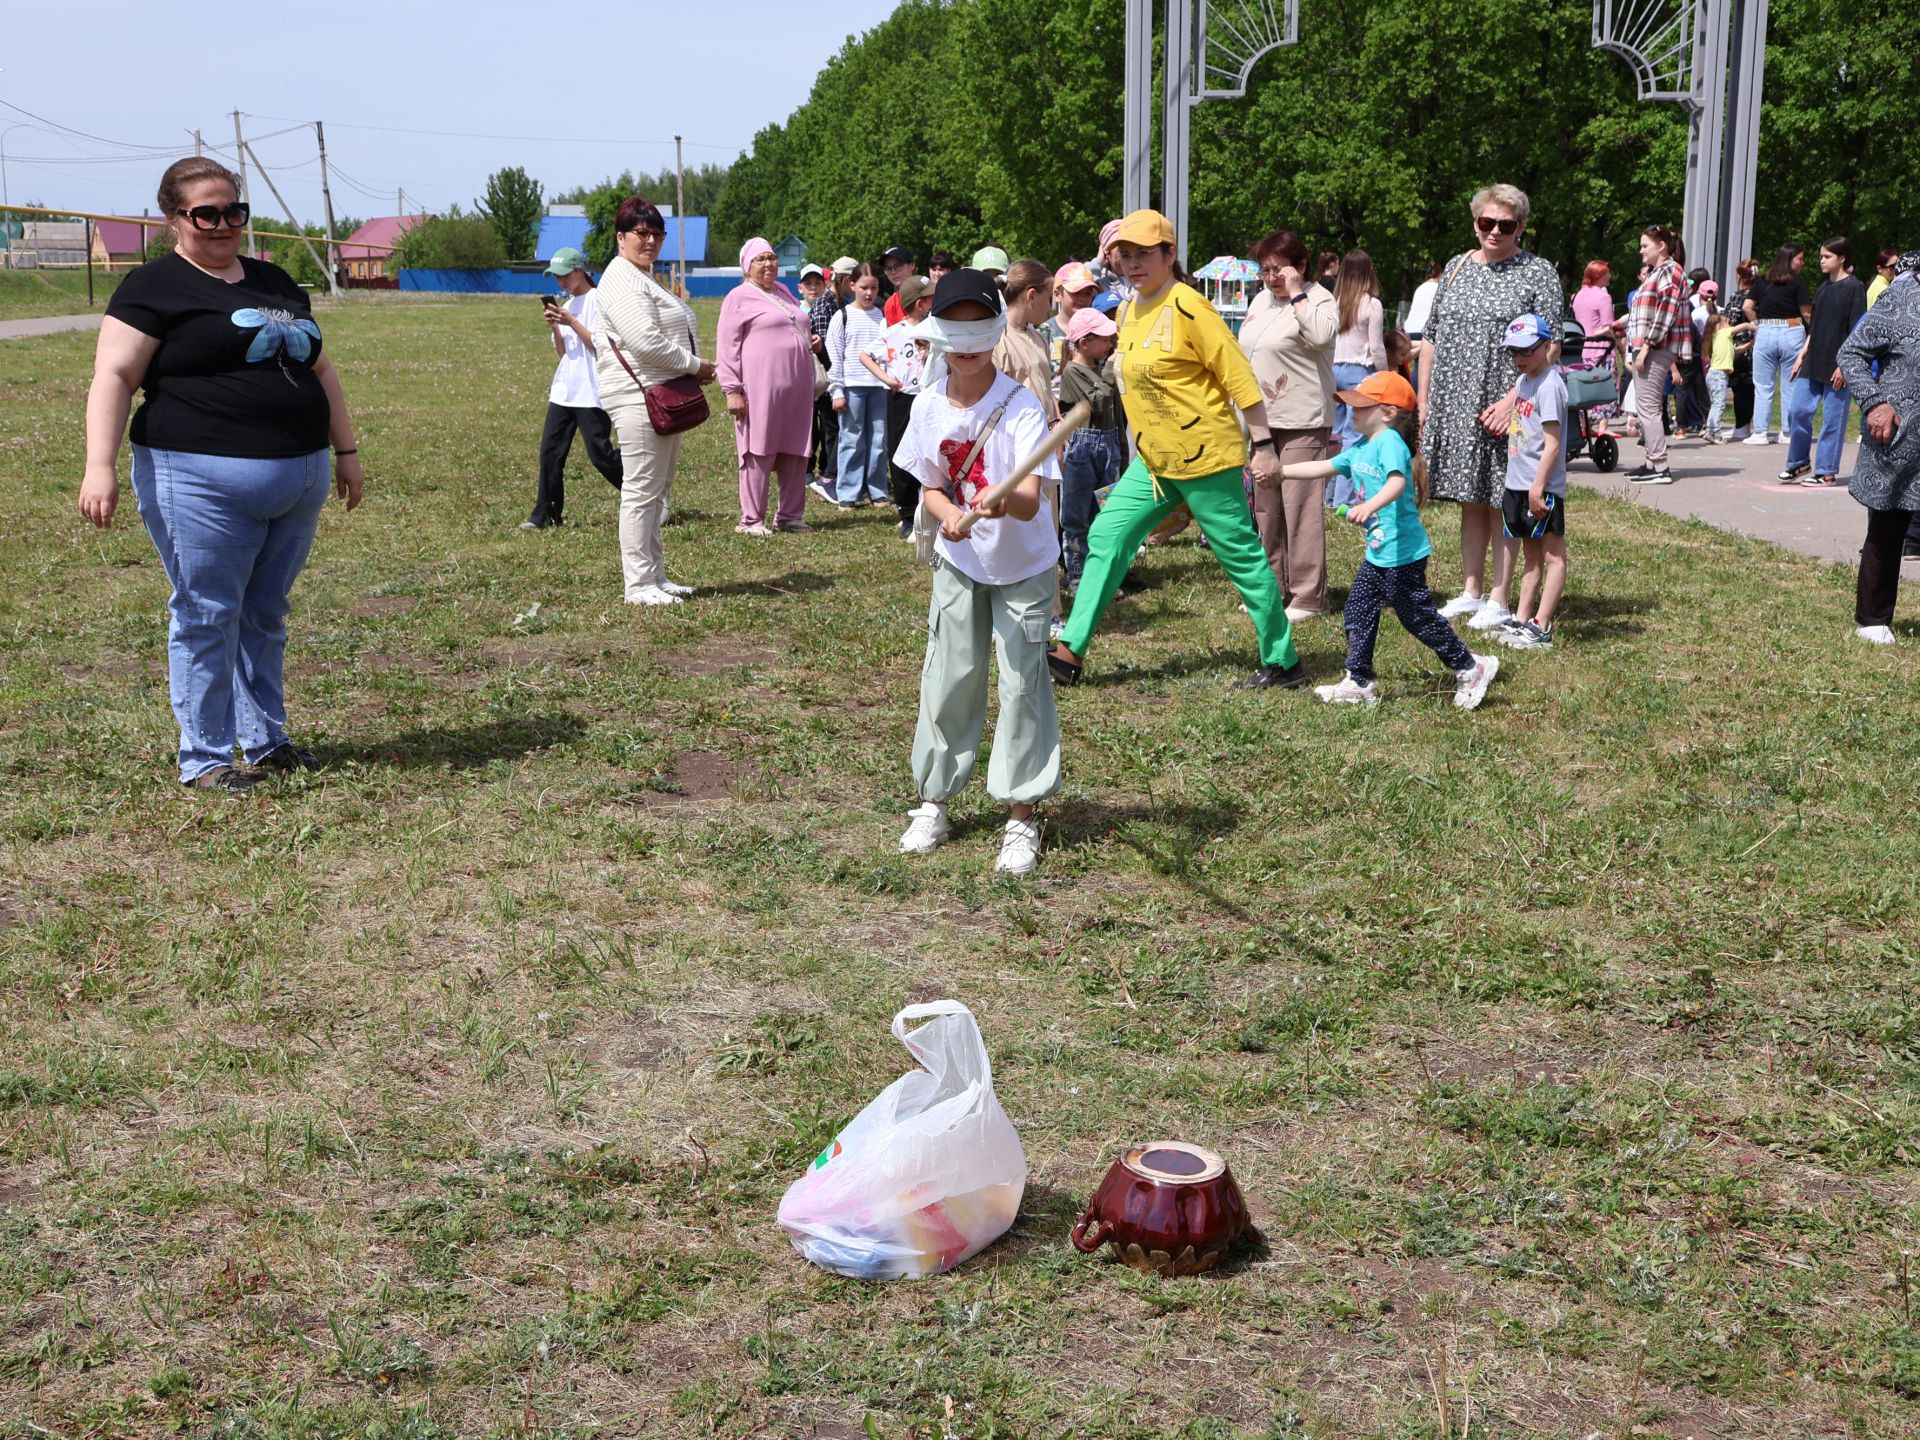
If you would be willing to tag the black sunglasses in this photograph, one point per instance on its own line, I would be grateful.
(212, 217)
(1487, 224)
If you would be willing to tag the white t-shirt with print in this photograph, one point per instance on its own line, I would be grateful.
(898, 353)
(575, 382)
(937, 439)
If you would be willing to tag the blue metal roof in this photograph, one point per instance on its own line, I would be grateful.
(559, 231)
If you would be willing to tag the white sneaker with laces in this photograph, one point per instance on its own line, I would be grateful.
(673, 587)
(1019, 848)
(1349, 692)
(1461, 604)
(1875, 634)
(1470, 686)
(1758, 437)
(652, 595)
(926, 828)
(1488, 616)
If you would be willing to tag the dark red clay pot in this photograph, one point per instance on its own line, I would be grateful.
(1167, 1208)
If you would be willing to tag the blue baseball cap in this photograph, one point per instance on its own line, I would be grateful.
(1107, 301)
(1527, 332)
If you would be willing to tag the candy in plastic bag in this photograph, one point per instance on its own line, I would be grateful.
(926, 1176)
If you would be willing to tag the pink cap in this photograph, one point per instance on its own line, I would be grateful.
(1088, 322)
(1710, 289)
(1107, 232)
(1073, 278)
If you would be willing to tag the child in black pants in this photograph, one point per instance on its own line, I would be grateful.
(1394, 572)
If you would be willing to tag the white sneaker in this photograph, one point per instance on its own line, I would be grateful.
(1349, 692)
(1739, 432)
(673, 587)
(757, 530)
(1461, 604)
(1019, 848)
(1295, 614)
(1488, 616)
(1758, 437)
(1875, 634)
(653, 595)
(1470, 686)
(926, 828)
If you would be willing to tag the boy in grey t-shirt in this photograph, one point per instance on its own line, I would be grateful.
(1533, 510)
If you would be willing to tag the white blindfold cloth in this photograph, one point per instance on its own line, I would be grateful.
(962, 337)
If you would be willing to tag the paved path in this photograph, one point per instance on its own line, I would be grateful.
(1736, 487)
(52, 325)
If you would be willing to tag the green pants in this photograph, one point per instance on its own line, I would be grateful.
(965, 619)
(1219, 505)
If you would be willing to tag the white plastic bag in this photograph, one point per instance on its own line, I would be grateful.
(926, 1176)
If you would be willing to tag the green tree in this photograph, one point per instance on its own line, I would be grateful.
(454, 241)
(512, 208)
(1838, 148)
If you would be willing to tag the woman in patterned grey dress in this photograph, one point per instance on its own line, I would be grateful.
(1466, 386)
(1886, 474)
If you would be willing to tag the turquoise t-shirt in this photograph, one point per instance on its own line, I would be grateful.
(1396, 537)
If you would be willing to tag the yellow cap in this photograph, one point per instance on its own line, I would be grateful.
(1145, 227)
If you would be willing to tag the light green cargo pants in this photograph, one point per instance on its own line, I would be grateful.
(1025, 765)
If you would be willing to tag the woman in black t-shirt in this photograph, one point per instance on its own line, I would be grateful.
(1779, 306)
(229, 465)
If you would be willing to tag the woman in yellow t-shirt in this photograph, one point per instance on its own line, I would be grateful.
(1180, 374)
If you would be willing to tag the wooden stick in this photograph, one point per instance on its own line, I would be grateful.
(1056, 437)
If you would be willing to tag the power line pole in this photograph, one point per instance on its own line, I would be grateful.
(326, 194)
(240, 154)
(291, 218)
(680, 211)
(199, 149)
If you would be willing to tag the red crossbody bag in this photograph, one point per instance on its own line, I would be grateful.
(673, 405)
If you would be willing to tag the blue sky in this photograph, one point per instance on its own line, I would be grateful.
(622, 79)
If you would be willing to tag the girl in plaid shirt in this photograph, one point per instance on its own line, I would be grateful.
(1659, 336)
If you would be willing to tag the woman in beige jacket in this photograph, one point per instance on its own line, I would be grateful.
(642, 329)
(1288, 338)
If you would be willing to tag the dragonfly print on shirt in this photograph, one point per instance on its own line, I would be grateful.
(282, 335)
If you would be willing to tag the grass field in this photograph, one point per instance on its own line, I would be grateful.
(1568, 1051)
(28, 293)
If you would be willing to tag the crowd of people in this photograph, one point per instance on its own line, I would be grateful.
(877, 385)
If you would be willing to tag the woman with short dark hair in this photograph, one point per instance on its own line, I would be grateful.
(229, 465)
(1288, 337)
(1817, 381)
(643, 336)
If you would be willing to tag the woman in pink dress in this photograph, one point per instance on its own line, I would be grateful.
(766, 370)
(1593, 308)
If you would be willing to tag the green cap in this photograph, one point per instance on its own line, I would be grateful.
(565, 261)
(990, 257)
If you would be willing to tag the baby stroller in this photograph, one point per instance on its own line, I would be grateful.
(1588, 384)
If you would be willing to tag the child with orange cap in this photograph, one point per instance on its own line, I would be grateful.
(1390, 483)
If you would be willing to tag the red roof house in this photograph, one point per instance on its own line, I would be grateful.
(363, 254)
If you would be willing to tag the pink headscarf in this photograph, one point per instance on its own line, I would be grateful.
(1107, 232)
(751, 250)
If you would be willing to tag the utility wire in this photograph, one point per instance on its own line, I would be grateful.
(98, 139)
(537, 139)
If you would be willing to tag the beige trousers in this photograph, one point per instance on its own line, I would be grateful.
(647, 462)
(1292, 520)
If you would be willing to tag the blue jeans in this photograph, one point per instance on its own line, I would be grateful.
(233, 535)
(863, 445)
(1092, 459)
(1774, 347)
(1341, 490)
(1834, 402)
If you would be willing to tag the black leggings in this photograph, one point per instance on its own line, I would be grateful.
(1405, 588)
(1880, 566)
